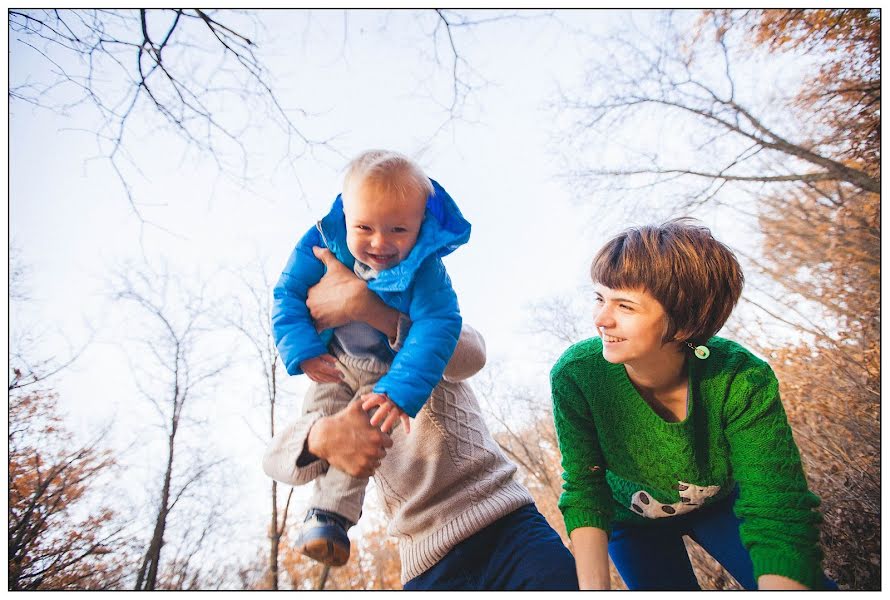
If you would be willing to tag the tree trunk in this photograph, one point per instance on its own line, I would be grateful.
(274, 539)
(153, 554)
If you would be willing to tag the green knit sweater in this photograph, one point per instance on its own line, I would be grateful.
(624, 463)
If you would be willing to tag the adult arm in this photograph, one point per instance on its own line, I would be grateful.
(779, 518)
(591, 549)
(303, 450)
(778, 582)
(340, 297)
(586, 499)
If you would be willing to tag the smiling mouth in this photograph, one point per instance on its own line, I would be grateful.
(612, 339)
(381, 258)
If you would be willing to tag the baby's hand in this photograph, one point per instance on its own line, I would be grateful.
(388, 409)
(322, 369)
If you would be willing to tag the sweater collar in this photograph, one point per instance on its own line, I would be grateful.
(628, 390)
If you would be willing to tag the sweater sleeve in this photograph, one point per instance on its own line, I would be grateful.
(280, 462)
(469, 355)
(778, 512)
(429, 344)
(586, 500)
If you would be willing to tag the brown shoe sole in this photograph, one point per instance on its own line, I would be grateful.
(325, 552)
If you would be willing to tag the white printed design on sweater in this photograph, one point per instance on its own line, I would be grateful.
(691, 497)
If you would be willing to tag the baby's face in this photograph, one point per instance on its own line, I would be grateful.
(381, 229)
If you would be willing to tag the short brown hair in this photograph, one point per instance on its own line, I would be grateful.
(696, 278)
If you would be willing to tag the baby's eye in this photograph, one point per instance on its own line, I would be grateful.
(399, 229)
(363, 227)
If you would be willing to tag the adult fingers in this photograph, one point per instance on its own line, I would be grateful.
(385, 441)
(361, 472)
(356, 408)
(368, 464)
(330, 261)
(324, 255)
(380, 440)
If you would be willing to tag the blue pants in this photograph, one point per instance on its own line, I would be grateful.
(653, 556)
(519, 551)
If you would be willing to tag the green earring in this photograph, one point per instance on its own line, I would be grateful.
(701, 352)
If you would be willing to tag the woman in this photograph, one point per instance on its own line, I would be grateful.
(668, 431)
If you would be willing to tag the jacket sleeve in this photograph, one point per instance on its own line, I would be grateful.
(292, 326)
(586, 499)
(779, 518)
(469, 355)
(435, 327)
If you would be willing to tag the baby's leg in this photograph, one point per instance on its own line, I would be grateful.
(336, 501)
(331, 511)
(328, 399)
(336, 491)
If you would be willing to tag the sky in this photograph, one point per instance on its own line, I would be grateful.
(374, 79)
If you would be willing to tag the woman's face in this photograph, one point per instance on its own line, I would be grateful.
(631, 323)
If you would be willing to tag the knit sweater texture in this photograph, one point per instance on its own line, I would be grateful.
(624, 463)
(440, 484)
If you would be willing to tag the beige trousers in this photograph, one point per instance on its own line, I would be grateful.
(334, 490)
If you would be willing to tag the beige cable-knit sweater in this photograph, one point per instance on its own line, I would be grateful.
(440, 484)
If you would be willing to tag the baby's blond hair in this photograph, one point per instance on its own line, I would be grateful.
(389, 173)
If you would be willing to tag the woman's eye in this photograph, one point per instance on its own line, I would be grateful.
(626, 307)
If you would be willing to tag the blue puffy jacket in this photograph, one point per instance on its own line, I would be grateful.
(418, 286)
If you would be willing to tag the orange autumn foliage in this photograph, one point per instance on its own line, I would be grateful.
(821, 248)
(50, 546)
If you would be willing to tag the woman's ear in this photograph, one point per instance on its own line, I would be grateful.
(681, 336)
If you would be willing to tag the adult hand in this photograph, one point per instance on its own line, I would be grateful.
(778, 582)
(348, 441)
(341, 297)
(333, 300)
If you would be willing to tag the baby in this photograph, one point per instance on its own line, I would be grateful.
(391, 226)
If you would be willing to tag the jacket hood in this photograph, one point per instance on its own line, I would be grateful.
(444, 229)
